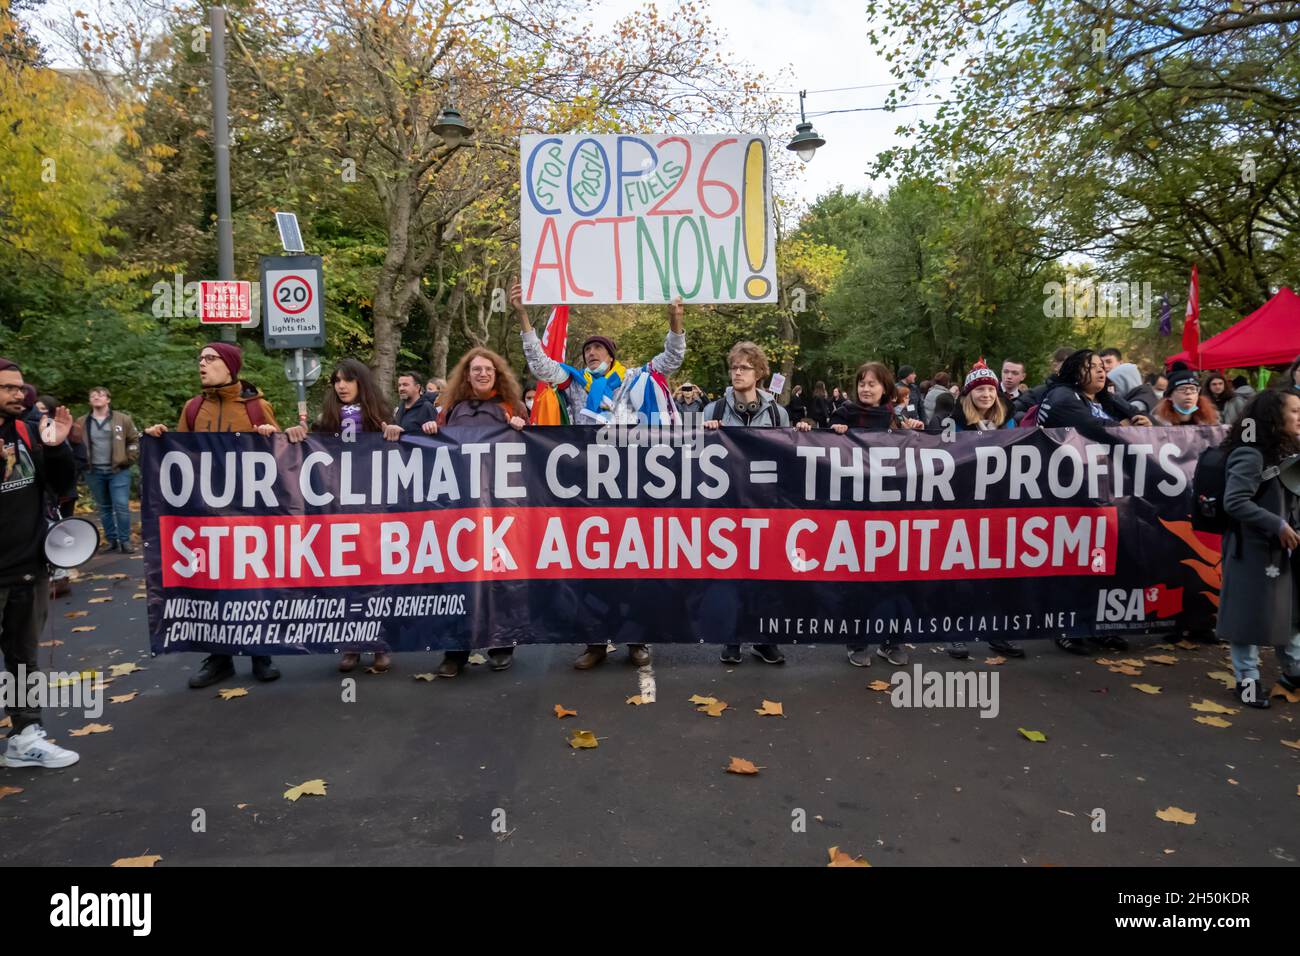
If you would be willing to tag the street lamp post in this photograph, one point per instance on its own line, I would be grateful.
(806, 141)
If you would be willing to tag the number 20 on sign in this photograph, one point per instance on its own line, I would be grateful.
(639, 219)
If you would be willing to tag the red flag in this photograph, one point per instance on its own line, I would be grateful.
(1192, 322)
(548, 409)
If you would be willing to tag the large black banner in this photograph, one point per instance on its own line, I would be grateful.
(487, 537)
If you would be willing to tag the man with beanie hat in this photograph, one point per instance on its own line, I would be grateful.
(36, 465)
(227, 404)
(604, 391)
(1184, 404)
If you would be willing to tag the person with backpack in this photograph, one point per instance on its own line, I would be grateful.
(226, 404)
(743, 405)
(36, 468)
(1029, 400)
(353, 401)
(1257, 599)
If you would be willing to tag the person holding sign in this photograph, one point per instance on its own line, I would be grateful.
(605, 391)
(353, 404)
(743, 405)
(227, 404)
(480, 391)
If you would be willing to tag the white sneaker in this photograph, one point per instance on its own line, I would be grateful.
(31, 749)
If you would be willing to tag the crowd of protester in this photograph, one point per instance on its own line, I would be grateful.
(1091, 391)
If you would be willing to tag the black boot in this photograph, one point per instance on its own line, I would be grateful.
(216, 667)
(264, 670)
(1251, 693)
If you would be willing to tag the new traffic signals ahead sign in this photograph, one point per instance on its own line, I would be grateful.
(225, 303)
(292, 302)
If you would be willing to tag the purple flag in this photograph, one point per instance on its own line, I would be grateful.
(1166, 324)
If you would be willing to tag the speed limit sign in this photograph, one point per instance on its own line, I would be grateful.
(294, 316)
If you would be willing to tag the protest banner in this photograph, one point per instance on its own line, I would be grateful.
(572, 534)
(638, 219)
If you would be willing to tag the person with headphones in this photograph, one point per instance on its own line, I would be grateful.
(743, 405)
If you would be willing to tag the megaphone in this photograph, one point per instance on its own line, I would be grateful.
(71, 542)
(1288, 472)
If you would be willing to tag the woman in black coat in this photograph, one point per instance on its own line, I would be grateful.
(1257, 601)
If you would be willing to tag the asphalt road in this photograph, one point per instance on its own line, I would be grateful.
(429, 773)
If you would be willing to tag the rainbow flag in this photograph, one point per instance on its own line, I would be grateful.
(548, 407)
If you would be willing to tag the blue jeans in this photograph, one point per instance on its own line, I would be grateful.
(112, 492)
(1245, 659)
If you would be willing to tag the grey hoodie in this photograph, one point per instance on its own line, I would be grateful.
(770, 413)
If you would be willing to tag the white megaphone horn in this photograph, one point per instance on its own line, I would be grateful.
(71, 542)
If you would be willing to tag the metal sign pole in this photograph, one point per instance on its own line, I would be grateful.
(302, 387)
(221, 150)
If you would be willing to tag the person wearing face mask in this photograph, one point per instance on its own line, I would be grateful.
(227, 404)
(353, 404)
(1183, 403)
(605, 391)
(530, 395)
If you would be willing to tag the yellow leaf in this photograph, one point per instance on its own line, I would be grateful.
(995, 660)
(69, 681)
(76, 614)
(1175, 815)
(6, 791)
(1226, 677)
(880, 685)
(103, 600)
(1293, 744)
(560, 712)
(714, 709)
(477, 659)
(429, 676)
(124, 698)
(1127, 671)
(697, 699)
(1146, 688)
(840, 858)
(91, 729)
(583, 740)
(1290, 696)
(312, 788)
(1105, 662)
(1214, 721)
(6, 722)
(137, 861)
(770, 708)
(121, 670)
(51, 644)
(230, 693)
(637, 700)
(1210, 707)
(1130, 662)
(139, 596)
(739, 765)
(1167, 659)
(83, 629)
(1035, 735)
(1187, 645)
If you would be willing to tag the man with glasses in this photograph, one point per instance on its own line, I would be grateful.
(35, 469)
(227, 404)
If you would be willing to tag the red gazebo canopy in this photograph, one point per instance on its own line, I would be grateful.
(1268, 336)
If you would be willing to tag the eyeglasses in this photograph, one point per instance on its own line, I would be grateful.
(11, 388)
(742, 368)
(206, 359)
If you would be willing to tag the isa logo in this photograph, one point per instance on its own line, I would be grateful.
(1122, 604)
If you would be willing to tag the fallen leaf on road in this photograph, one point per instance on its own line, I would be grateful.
(312, 788)
(995, 660)
(770, 708)
(697, 699)
(714, 709)
(91, 729)
(232, 692)
(1035, 735)
(72, 679)
(124, 698)
(1175, 815)
(1162, 647)
(73, 615)
(115, 577)
(1278, 690)
(1210, 707)
(840, 858)
(121, 670)
(636, 699)
(1105, 662)
(139, 596)
(51, 643)
(7, 722)
(1167, 852)
(425, 676)
(137, 861)
(1126, 671)
(739, 765)
(1066, 812)
(583, 740)
(1231, 781)
(1167, 659)
(880, 685)
(1146, 688)
(5, 791)
(1186, 645)
(84, 628)
(477, 659)
(1214, 721)
(1293, 744)
(99, 600)
(1225, 677)
(561, 712)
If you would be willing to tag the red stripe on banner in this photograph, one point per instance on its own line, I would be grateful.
(482, 544)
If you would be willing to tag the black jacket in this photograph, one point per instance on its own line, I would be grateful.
(875, 419)
(1034, 396)
(1065, 407)
(32, 477)
(412, 419)
(819, 410)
